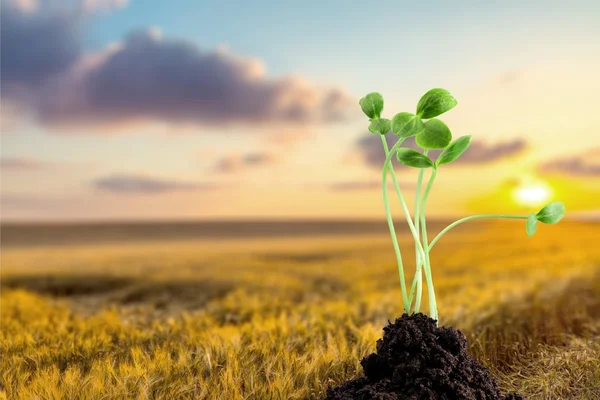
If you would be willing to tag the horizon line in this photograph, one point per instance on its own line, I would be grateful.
(579, 217)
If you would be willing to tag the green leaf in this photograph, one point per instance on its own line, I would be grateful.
(406, 124)
(531, 224)
(454, 150)
(435, 102)
(435, 135)
(381, 126)
(372, 105)
(413, 158)
(552, 213)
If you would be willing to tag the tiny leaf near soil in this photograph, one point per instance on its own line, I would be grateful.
(381, 126)
(531, 226)
(435, 135)
(552, 213)
(406, 124)
(435, 102)
(454, 150)
(413, 158)
(372, 105)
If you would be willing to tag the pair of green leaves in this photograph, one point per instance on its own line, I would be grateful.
(433, 103)
(372, 106)
(550, 214)
(413, 158)
(433, 134)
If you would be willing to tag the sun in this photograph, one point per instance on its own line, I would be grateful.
(532, 193)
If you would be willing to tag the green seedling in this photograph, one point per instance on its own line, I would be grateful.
(430, 133)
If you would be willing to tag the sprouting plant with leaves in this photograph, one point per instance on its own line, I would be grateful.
(430, 133)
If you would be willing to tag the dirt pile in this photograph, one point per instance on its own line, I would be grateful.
(416, 360)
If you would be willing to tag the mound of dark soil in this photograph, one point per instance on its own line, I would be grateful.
(416, 360)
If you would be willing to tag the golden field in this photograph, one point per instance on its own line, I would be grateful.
(283, 318)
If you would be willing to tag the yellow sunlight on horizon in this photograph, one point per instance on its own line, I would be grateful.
(532, 193)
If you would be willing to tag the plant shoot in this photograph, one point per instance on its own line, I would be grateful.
(430, 133)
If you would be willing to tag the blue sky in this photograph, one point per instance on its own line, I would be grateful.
(524, 73)
(345, 41)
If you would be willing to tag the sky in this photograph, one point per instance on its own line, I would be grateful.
(145, 110)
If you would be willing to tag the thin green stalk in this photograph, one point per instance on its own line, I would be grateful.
(412, 292)
(418, 261)
(432, 302)
(481, 216)
(390, 221)
(388, 163)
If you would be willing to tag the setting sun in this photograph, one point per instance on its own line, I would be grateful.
(532, 193)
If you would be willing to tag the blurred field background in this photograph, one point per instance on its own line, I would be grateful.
(283, 313)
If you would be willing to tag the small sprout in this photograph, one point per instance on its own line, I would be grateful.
(413, 158)
(454, 150)
(552, 213)
(435, 135)
(406, 124)
(380, 125)
(531, 226)
(432, 134)
(372, 105)
(434, 103)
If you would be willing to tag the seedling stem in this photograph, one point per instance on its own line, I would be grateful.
(465, 219)
(390, 221)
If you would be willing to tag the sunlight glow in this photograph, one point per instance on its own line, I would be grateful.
(532, 193)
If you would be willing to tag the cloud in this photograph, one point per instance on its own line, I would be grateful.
(20, 164)
(25, 6)
(104, 5)
(482, 153)
(574, 166)
(11, 116)
(27, 201)
(234, 163)
(90, 6)
(134, 184)
(149, 78)
(35, 46)
(371, 151)
(287, 137)
(145, 78)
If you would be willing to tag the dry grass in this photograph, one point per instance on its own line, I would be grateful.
(566, 372)
(248, 319)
